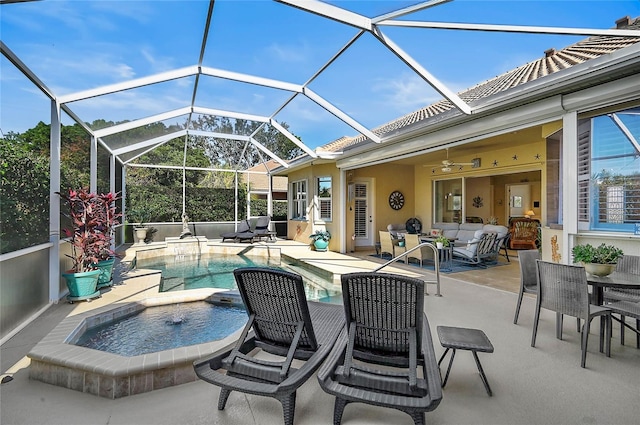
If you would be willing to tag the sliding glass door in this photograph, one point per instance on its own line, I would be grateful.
(448, 201)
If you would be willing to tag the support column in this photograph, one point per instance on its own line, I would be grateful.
(93, 167)
(112, 189)
(54, 204)
(124, 204)
(270, 201)
(569, 170)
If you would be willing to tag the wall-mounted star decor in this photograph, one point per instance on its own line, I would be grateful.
(537, 156)
(433, 171)
(515, 157)
(460, 168)
(495, 162)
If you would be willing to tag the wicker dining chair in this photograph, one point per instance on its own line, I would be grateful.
(385, 355)
(284, 325)
(424, 253)
(564, 289)
(386, 244)
(528, 276)
(625, 302)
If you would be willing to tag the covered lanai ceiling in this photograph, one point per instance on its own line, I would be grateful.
(314, 65)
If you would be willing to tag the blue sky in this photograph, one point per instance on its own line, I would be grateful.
(79, 45)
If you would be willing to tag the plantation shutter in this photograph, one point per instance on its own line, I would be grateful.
(360, 201)
(584, 172)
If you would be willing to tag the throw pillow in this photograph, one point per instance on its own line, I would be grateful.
(472, 246)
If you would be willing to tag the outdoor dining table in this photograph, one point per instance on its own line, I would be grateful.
(618, 280)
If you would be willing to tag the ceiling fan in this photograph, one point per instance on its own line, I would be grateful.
(446, 164)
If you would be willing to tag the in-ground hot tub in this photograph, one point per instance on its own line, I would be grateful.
(56, 360)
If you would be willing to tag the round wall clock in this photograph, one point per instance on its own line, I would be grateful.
(396, 200)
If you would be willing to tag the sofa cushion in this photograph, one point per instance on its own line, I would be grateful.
(500, 230)
(397, 230)
(467, 231)
(449, 230)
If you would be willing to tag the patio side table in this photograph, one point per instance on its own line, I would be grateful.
(473, 340)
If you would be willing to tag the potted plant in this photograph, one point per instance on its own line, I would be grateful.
(109, 217)
(137, 216)
(321, 239)
(441, 241)
(599, 261)
(92, 219)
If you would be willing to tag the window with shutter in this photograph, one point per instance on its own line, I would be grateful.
(609, 171)
(325, 202)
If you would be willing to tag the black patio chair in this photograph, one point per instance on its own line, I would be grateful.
(385, 355)
(564, 289)
(282, 323)
(243, 232)
(262, 227)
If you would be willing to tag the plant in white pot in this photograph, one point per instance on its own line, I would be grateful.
(138, 216)
(441, 241)
(90, 239)
(598, 261)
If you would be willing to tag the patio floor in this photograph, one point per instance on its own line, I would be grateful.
(541, 385)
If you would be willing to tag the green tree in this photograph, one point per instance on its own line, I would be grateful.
(24, 196)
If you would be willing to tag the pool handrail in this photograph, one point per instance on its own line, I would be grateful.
(436, 261)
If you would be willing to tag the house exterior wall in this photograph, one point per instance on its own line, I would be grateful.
(388, 178)
(299, 230)
(508, 141)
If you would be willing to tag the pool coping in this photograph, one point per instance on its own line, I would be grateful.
(55, 360)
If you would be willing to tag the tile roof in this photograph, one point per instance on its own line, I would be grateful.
(553, 61)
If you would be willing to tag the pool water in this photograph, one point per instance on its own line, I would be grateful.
(181, 273)
(216, 271)
(165, 327)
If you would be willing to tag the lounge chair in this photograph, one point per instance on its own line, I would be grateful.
(262, 227)
(386, 340)
(283, 324)
(243, 232)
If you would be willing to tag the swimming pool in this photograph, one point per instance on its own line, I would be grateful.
(216, 271)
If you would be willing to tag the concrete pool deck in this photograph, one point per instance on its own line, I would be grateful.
(531, 385)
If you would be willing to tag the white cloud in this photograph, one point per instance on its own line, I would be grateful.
(128, 105)
(405, 93)
(290, 53)
(157, 63)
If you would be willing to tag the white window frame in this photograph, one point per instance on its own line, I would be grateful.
(607, 207)
(298, 199)
(320, 200)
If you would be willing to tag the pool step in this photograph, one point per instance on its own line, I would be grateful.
(231, 297)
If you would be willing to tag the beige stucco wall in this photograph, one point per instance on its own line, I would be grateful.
(299, 230)
(387, 179)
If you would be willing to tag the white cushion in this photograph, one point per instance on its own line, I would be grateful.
(472, 246)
